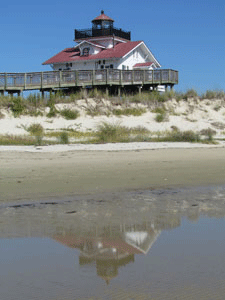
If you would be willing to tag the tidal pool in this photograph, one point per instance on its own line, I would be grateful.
(160, 244)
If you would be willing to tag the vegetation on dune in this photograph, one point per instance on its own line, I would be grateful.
(69, 114)
(16, 140)
(64, 138)
(101, 104)
(129, 111)
(37, 131)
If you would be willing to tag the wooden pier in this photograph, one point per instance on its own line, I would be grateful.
(56, 80)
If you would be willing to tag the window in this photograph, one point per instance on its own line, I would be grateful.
(86, 51)
(99, 62)
(111, 66)
(102, 67)
(103, 62)
(123, 67)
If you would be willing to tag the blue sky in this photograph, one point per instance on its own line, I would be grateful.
(188, 36)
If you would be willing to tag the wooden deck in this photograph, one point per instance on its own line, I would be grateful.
(52, 80)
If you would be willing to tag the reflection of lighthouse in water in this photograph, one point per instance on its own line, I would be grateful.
(109, 252)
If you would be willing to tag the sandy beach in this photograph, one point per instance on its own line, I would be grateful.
(30, 173)
(29, 176)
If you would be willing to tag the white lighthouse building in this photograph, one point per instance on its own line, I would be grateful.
(104, 47)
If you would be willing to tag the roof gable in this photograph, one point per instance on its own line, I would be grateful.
(91, 43)
(73, 54)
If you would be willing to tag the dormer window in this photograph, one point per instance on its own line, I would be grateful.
(86, 51)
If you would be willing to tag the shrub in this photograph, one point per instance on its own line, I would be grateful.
(190, 94)
(37, 131)
(159, 110)
(213, 95)
(217, 107)
(69, 114)
(209, 133)
(111, 133)
(1, 115)
(52, 113)
(15, 140)
(64, 138)
(160, 117)
(17, 106)
(129, 111)
(184, 136)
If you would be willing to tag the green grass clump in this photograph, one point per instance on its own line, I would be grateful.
(129, 111)
(183, 136)
(16, 140)
(159, 110)
(160, 118)
(37, 131)
(190, 94)
(1, 115)
(52, 113)
(209, 133)
(17, 106)
(69, 114)
(213, 95)
(64, 138)
(111, 133)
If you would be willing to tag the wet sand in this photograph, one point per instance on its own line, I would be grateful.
(32, 176)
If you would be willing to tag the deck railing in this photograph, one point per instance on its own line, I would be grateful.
(96, 32)
(62, 79)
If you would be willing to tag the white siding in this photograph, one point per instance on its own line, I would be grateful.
(136, 56)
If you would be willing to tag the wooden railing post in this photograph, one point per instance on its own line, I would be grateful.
(42, 80)
(6, 83)
(93, 77)
(106, 76)
(76, 78)
(60, 78)
(120, 77)
(25, 80)
(132, 76)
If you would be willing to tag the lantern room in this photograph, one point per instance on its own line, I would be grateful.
(102, 26)
(102, 22)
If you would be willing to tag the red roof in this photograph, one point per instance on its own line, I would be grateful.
(73, 54)
(102, 17)
(146, 64)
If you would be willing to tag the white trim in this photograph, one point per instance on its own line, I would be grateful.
(100, 46)
(140, 44)
(102, 39)
(131, 50)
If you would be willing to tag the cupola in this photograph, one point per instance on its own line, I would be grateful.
(102, 22)
(101, 26)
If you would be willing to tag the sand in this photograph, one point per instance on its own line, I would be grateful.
(31, 173)
(193, 114)
(30, 176)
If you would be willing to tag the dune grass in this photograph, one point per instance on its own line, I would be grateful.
(69, 114)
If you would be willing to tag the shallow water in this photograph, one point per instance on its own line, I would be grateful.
(160, 244)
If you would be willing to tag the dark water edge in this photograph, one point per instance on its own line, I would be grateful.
(158, 244)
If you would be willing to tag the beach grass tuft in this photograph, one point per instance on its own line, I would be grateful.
(69, 114)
